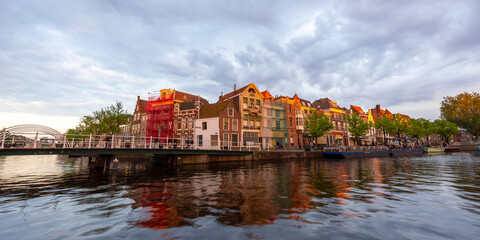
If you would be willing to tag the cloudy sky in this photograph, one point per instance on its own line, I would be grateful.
(61, 60)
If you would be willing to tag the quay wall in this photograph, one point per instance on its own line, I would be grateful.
(256, 156)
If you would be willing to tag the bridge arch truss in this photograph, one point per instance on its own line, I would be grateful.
(32, 129)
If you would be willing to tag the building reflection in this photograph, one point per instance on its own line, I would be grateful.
(255, 195)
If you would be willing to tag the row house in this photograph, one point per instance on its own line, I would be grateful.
(339, 135)
(371, 132)
(375, 114)
(307, 109)
(294, 120)
(274, 122)
(139, 119)
(218, 126)
(249, 101)
(184, 117)
(161, 112)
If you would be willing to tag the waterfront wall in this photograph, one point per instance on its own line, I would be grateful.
(256, 156)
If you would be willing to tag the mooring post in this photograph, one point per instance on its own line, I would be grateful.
(90, 141)
(3, 138)
(133, 142)
(113, 140)
(115, 164)
(73, 142)
(151, 137)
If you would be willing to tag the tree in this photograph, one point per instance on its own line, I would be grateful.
(106, 120)
(400, 125)
(463, 110)
(445, 128)
(386, 126)
(420, 128)
(317, 125)
(357, 126)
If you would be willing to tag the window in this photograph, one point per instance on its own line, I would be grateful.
(179, 125)
(269, 123)
(252, 100)
(225, 141)
(245, 117)
(269, 112)
(277, 113)
(257, 102)
(200, 140)
(252, 118)
(213, 140)
(225, 124)
(277, 124)
(234, 124)
(245, 100)
(234, 140)
(291, 121)
(204, 125)
(230, 112)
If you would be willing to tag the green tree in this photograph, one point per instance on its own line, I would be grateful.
(357, 126)
(445, 128)
(400, 125)
(463, 110)
(386, 126)
(420, 128)
(106, 120)
(317, 125)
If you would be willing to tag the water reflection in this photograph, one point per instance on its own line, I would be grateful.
(386, 193)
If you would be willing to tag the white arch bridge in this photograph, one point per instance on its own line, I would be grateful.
(8, 135)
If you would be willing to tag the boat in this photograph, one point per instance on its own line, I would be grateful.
(387, 153)
(433, 149)
(478, 148)
(452, 149)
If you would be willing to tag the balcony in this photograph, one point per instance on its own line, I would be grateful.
(254, 110)
(300, 127)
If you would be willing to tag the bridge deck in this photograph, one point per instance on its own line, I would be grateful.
(96, 151)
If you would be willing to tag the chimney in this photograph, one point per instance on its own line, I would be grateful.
(234, 87)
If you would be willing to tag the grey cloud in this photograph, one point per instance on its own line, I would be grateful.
(91, 53)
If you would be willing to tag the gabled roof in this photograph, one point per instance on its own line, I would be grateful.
(326, 103)
(212, 110)
(377, 112)
(267, 95)
(187, 105)
(186, 97)
(358, 110)
(142, 104)
(402, 115)
(305, 103)
(237, 92)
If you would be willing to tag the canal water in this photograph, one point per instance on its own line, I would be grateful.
(428, 197)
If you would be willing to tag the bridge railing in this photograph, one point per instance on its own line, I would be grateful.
(129, 142)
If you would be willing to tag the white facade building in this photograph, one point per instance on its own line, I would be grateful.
(206, 133)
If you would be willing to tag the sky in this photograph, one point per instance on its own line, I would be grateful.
(61, 60)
